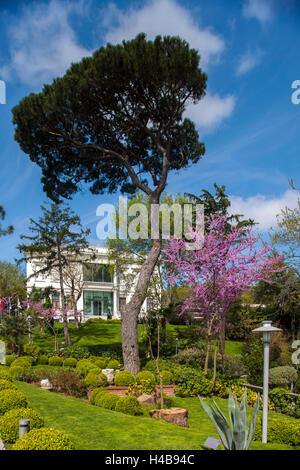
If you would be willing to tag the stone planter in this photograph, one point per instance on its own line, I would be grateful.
(178, 416)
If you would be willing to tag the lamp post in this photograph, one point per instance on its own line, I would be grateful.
(176, 347)
(29, 328)
(266, 329)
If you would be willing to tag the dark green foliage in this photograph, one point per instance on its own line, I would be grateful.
(3, 231)
(285, 402)
(124, 100)
(252, 356)
(14, 329)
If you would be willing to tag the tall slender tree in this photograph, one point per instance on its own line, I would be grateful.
(115, 121)
(9, 229)
(57, 241)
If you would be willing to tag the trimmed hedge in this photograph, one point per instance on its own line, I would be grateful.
(167, 377)
(9, 422)
(283, 431)
(128, 405)
(94, 395)
(108, 401)
(44, 439)
(113, 364)
(9, 359)
(124, 378)
(55, 361)
(7, 384)
(95, 379)
(43, 360)
(144, 376)
(70, 362)
(84, 366)
(10, 399)
(4, 374)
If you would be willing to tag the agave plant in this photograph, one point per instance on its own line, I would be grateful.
(238, 436)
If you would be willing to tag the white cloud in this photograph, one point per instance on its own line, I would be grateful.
(259, 9)
(42, 43)
(263, 209)
(248, 61)
(165, 17)
(210, 112)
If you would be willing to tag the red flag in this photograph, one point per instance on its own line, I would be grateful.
(1, 304)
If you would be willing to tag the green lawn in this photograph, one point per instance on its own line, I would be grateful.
(104, 333)
(94, 428)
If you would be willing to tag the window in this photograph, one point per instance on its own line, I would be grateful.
(98, 303)
(97, 273)
(55, 301)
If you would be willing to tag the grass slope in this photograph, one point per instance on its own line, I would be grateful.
(94, 428)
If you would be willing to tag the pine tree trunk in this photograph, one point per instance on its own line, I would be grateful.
(132, 309)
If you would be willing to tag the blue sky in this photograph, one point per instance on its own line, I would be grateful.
(250, 52)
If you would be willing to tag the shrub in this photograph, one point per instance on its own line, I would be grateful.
(101, 363)
(79, 352)
(145, 375)
(70, 362)
(140, 389)
(16, 372)
(94, 394)
(10, 399)
(43, 360)
(69, 382)
(128, 405)
(109, 401)
(32, 349)
(9, 359)
(84, 366)
(24, 361)
(281, 430)
(95, 379)
(4, 374)
(55, 361)
(162, 363)
(282, 375)
(113, 364)
(124, 378)
(238, 391)
(7, 384)
(234, 366)
(9, 423)
(167, 377)
(44, 439)
(99, 396)
(284, 402)
(193, 357)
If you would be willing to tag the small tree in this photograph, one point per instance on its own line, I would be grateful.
(219, 271)
(58, 240)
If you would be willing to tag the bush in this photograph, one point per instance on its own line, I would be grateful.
(234, 366)
(44, 439)
(192, 357)
(145, 375)
(284, 402)
(79, 352)
(108, 401)
(167, 377)
(43, 360)
(101, 363)
(99, 396)
(113, 364)
(55, 361)
(128, 405)
(124, 378)
(17, 372)
(70, 362)
(7, 384)
(4, 374)
(24, 361)
(95, 379)
(281, 430)
(9, 359)
(32, 349)
(252, 357)
(94, 394)
(10, 399)
(69, 382)
(162, 363)
(9, 423)
(282, 375)
(84, 366)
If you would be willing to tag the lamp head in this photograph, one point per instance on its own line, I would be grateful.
(266, 329)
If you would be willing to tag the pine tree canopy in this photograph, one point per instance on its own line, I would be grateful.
(115, 120)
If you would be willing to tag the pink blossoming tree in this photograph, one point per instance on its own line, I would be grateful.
(225, 265)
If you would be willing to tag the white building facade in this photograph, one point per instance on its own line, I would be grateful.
(102, 293)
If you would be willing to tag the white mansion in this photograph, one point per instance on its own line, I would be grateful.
(101, 293)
